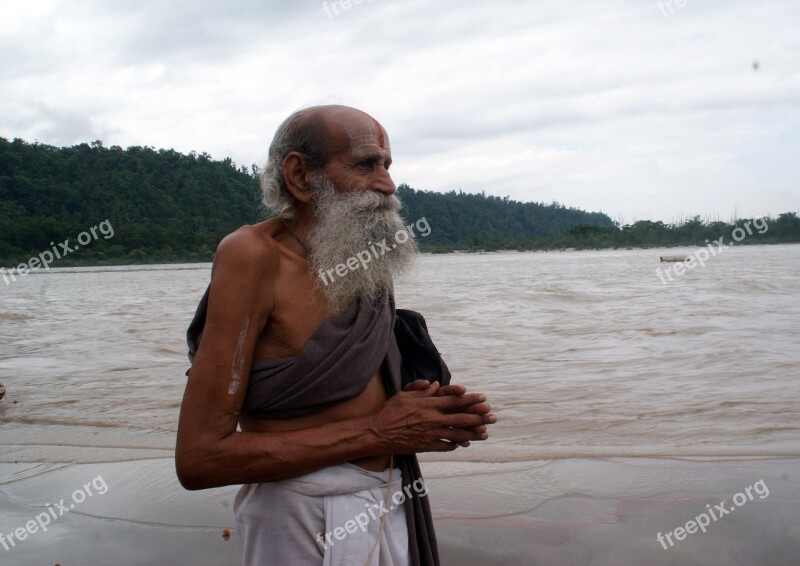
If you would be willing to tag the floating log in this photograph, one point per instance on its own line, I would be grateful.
(675, 258)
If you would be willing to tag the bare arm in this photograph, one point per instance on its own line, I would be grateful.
(210, 452)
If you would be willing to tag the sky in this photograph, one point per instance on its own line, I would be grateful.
(644, 110)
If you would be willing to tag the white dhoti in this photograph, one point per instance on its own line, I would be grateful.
(331, 517)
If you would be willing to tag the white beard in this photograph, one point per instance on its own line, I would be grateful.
(349, 224)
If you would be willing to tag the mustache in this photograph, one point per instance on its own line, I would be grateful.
(367, 201)
(375, 201)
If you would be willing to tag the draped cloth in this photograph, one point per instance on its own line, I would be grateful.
(330, 517)
(336, 363)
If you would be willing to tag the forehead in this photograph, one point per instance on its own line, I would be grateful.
(353, 131)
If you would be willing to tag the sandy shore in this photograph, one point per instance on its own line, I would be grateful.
(571, 511)
(610, 512)
(143, 516)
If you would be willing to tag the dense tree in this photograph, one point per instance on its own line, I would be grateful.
(163, 205)
(469, 221)
(166, 206)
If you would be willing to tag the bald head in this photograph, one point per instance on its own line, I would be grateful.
(317, 133)
(344, 127)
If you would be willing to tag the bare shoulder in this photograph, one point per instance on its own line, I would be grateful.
(245, 272)
(249, 251)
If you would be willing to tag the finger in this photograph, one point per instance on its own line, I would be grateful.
(457, 401)
(428, 391)
(452, 390)
(477, 409)
(459, 435)
(463, 420)
(417, 385)
(480, 429)
(442, 446)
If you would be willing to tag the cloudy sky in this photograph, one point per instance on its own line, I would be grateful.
(640, 109)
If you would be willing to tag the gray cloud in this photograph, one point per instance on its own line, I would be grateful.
(612, 106)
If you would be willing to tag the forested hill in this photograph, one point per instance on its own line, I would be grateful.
(476, 221)
(162, 205)
(167, 206)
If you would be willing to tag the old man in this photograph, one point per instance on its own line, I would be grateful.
(302, 355)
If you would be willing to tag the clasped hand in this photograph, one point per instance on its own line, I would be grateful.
(427, 417)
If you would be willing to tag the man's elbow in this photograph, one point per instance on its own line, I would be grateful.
(187, 474)
(191, 471)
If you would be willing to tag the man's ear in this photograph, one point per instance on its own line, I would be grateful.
(295, 172)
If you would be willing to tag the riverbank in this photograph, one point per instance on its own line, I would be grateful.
(571, 511)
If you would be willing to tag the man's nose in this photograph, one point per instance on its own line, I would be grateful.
(384, 183)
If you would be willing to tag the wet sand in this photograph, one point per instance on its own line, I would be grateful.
(571, 511)
(609, 513)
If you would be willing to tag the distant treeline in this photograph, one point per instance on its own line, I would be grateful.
(784, 228)
(165, 206)
(472, 222)
(464, 221)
